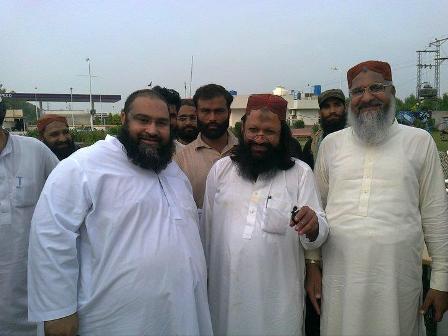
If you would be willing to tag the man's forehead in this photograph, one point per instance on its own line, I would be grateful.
(148, 105)
(263, 115)
(55, 125)
(367, 76)
(218, 100)
(186, 109)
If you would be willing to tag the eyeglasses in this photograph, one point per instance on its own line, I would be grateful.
(185, 118)
(374, 88)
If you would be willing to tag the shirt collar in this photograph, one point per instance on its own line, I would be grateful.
(232, 141)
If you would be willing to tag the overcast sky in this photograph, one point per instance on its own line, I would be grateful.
(249, 46)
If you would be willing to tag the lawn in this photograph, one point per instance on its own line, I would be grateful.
(441, 144)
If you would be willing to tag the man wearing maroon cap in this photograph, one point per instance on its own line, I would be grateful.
(255, 259)
(382, 188)
(54, 132)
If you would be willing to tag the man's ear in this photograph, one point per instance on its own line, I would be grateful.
(123, 117)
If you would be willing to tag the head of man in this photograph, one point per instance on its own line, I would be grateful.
(187, 126)
(212, 103)
(54, 132)
(371, 110)
(263, 147)
(145, 132)
(172, 98)
(332, 114)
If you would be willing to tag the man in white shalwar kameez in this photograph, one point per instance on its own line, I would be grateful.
(114, 244)
(25, 164)
(383, 192)
(255, 259)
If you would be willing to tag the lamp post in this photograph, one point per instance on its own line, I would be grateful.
(90, 94)
(340, 76)
(35, 98)
(71, 109)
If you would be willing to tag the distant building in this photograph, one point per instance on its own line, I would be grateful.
(77, 117)
(306, 108)
(14, 120)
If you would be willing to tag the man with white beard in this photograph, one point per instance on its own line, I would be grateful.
(382, 189)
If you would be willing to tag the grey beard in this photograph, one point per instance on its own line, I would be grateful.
(373, 127)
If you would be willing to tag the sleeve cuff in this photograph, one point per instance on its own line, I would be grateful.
(439, 281)
(322, 236)
(34, 316)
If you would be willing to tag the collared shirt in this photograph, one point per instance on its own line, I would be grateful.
(119, 245)
(255, 259)
(25, 164)
(197, 158)
(382, 201)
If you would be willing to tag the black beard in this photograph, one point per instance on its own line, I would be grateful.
(144, 155)
(215, 133)
(187, 136)
(62, 152)
(250, 167)
(333, 125)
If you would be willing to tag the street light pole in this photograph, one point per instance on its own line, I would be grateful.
(340, 76)
(90, 94)
(35, 98)
(71, 108)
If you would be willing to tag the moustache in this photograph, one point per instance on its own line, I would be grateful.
(149, 138)
(375, 103)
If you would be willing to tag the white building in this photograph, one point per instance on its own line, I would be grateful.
(306, 108)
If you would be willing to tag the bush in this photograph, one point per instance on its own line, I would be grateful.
(298, 124)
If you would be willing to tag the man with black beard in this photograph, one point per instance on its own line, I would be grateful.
(187, 123)
(382, 189)
(214, 141)
(114, 242)
(255, 260)
(332, 118)
(54, 132)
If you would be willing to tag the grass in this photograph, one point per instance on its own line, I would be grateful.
(442, 145)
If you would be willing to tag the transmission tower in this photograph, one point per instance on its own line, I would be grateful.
(420, 65)
(437, 61)
(436, 65)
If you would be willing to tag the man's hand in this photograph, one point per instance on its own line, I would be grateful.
(66, 326)
(306, 223)
(313, 285)
(437, 299)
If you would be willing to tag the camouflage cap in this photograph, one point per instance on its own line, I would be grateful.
(332, 93)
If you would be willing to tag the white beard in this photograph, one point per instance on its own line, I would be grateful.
(372, 127)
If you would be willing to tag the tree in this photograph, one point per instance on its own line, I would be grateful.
(29, 110)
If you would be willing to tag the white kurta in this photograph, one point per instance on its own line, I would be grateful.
(381, 201)
(255, 260)
(25, 164)
(119, 245)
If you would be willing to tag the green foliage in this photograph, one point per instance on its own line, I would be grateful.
(29, 110)
(84, 137)
(298, 124)
(315, 128)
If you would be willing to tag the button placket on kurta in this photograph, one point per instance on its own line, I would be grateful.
(366, 182)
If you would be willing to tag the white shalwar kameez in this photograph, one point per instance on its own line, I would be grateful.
(381, 202)
(25, 164)
(255, 259)
(120, 246)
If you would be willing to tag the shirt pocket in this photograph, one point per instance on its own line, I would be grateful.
(276, 217)
(24, 192)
